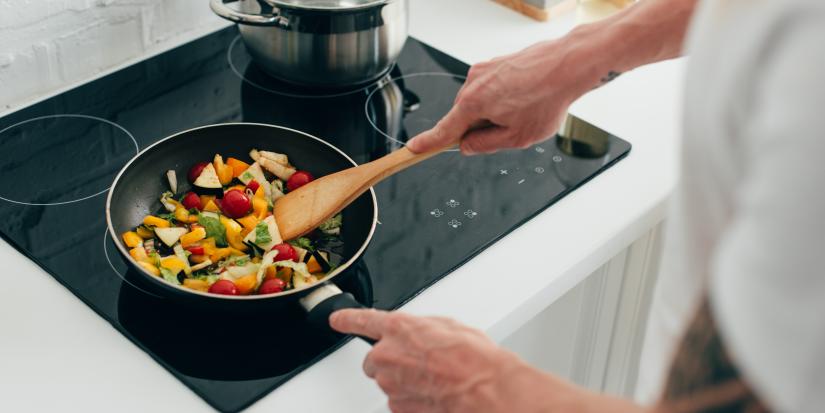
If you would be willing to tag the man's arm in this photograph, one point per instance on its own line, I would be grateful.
(526, 95)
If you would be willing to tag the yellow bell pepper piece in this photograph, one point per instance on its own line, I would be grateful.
(224, 171)
(132, 239)
(139, 255)
(173, 264)
(206, 198)
(151, 268)
(211, 206)
(197, 259)
(198, 285)
(249, 222)
(233, 233)
(208, 245)
(236, 252)
(192, 237)
(260, 193)
(260, 208)
(220, 254)
(145, 233)
(246, 284)
(183, 216)
(153, 221)
(238, 187)
(238, 166)
(313, 266)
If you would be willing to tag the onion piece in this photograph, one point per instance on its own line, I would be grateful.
(173, 180)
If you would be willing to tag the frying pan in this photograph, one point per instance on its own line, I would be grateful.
(137, 188)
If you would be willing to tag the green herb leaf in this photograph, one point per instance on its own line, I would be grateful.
(209, 278)
(169, 276)
(262, 234)
(214, 229)
(332, 223)
(168, 217)
(241, 262)
(302, 242)
(247, 176)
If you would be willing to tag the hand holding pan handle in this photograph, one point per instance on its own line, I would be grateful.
(325, 300)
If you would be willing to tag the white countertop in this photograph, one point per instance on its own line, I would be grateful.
(56, 354)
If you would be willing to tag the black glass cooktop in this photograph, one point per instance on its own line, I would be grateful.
(59, 157)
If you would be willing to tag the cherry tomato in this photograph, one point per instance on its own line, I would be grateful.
(285, 252)
(235, 204)
(195, 171)
(192, 201)
(253, 185)
(299, 179)
(196, 250)
(272, 286)
(224, 287)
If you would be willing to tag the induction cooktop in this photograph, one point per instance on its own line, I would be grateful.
(59, 157)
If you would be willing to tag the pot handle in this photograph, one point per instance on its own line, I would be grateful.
(220, 8)
(325, 300)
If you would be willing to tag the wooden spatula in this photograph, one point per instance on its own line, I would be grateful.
(304, 209)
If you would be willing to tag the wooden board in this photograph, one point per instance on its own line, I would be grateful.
(530, 9)
(525, 8)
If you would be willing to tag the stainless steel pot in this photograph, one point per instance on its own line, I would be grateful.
(323, 43)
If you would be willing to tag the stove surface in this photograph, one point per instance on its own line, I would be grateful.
(58, 158)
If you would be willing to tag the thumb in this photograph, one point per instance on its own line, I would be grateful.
(361, 322)
(448, 130)
(486, 140)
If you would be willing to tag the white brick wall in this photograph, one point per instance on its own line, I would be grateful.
(48, 45)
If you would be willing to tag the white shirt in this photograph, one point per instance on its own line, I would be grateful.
(748, 219)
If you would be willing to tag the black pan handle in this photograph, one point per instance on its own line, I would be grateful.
(318, 314)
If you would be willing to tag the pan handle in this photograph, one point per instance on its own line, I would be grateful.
(325, 300)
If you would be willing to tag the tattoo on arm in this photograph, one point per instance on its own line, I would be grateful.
(608, 78)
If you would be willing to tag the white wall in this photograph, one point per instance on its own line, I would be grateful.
(47, 45)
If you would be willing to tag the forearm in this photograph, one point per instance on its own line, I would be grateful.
(648, 32)
(527, 389)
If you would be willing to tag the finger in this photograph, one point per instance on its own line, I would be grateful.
(486, 140)
(411, 405)
(367, 323)
(448, 130)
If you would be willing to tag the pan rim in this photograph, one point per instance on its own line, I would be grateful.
(241, 298)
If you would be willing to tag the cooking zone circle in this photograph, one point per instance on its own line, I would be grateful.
(241, 64)
(426, 96)
(82, 155)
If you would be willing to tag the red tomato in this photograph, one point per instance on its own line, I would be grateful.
(253, 185)
(196, 250)
(192, 201)
(299, 179)
(285, 252)
(224, 287)
(235, 204)
(195, 171)
(272, 286)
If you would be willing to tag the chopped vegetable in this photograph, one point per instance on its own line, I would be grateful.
(170, 236)
(208, 179)
(132, 239)
(173, 180)
(230, 245)
(153, 221)
(214, 229)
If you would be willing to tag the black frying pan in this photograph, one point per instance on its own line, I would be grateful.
(137, 188)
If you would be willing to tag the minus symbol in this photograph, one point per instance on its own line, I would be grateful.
(521, 182)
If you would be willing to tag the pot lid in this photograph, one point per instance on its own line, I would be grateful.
(331, 5)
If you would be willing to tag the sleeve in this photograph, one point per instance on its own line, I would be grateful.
(768, 272)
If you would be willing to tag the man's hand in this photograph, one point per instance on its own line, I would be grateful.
(523, 97)
(438, 365)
